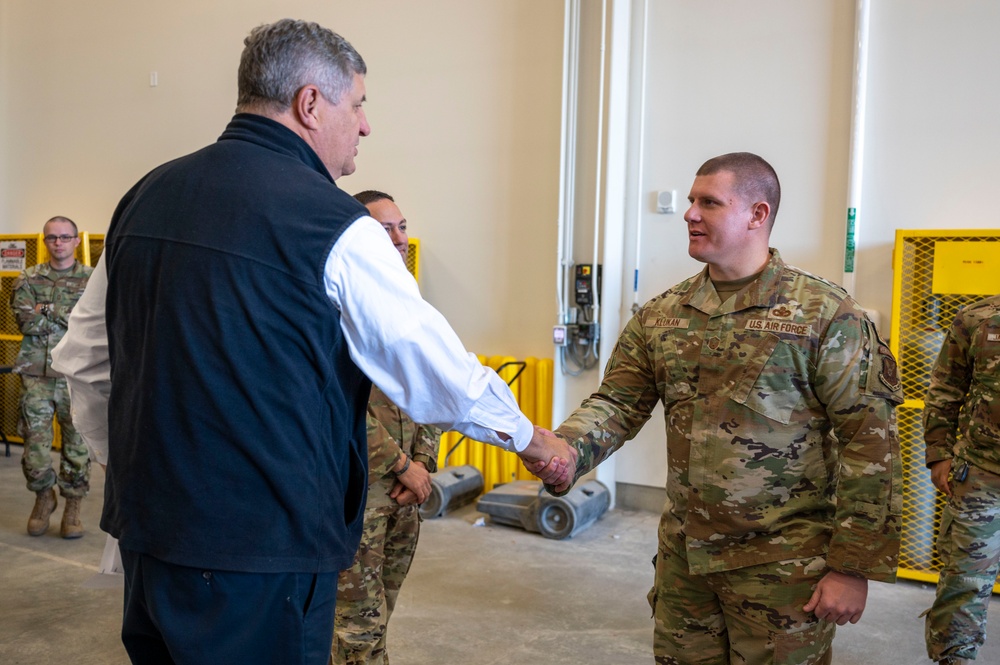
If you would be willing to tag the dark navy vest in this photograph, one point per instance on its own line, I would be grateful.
(237, 436)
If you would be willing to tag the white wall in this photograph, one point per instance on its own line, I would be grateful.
(5, 41)
(933, 155)
(463, 103)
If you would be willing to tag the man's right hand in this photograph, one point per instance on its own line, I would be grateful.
(551, 459)
(940, 471)
(838, 598)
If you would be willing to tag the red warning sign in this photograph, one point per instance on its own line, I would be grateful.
(13, 256)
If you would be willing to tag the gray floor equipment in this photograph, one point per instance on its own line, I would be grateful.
(526, 504)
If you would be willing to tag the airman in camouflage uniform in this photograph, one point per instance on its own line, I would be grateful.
(42, 298)
(962, 436)
(784, 476)
(401, 456)
(367, 591)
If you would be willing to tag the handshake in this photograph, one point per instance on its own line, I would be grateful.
(547, 456)
(551, 459)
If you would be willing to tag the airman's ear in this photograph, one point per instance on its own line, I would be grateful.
(761, 212)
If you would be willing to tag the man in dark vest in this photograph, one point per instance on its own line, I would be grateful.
(220, 366)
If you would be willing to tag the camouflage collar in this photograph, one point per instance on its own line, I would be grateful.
(762, 292)
(45, 269)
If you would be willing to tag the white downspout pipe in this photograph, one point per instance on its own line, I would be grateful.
(615, 200)
(567, 188)
(640, 199)
(567, 165)
(857, 152)
(600, 164)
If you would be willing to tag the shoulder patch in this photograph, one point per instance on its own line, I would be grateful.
(889, 372)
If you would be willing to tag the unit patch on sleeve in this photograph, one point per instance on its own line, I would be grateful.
(889, 374)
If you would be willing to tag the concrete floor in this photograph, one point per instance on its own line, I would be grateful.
(477, 595)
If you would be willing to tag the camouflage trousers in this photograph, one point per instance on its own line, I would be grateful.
(751, 616)
(969, 546)
(43, 398)
(367, 591)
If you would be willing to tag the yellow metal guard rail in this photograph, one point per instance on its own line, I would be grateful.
(533, 391)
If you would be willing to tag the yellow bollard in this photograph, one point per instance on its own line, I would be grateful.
(533, 391)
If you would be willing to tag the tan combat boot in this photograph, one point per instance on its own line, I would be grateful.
(71, 527)
(45, 503)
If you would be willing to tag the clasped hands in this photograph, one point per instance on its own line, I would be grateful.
(412, 485)
(551, 459)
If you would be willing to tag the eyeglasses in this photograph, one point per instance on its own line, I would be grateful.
(52, 239)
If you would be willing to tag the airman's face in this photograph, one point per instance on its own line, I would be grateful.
(718, 219)
(388, 215)
(61, 241)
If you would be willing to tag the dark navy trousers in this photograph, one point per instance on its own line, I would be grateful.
(177, 614)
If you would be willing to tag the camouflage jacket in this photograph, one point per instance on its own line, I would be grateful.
(962, 408)
(780, 419)
(61, 290)
(390, 434)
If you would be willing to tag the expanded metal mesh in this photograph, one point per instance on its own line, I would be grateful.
(413, 258)
(10, 334)
(922, 317)
(94, 244)
(921, 502)
(10, 388)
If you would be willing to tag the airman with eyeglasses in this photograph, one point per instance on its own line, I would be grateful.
(42, 298)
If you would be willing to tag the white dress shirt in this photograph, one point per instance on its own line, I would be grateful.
(404, 345)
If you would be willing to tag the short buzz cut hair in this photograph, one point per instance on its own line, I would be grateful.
(66, 220)
(371, 196)
(280, 58)
(756, 180)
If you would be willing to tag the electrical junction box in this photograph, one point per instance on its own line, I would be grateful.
(584, 284)
(560, 335)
